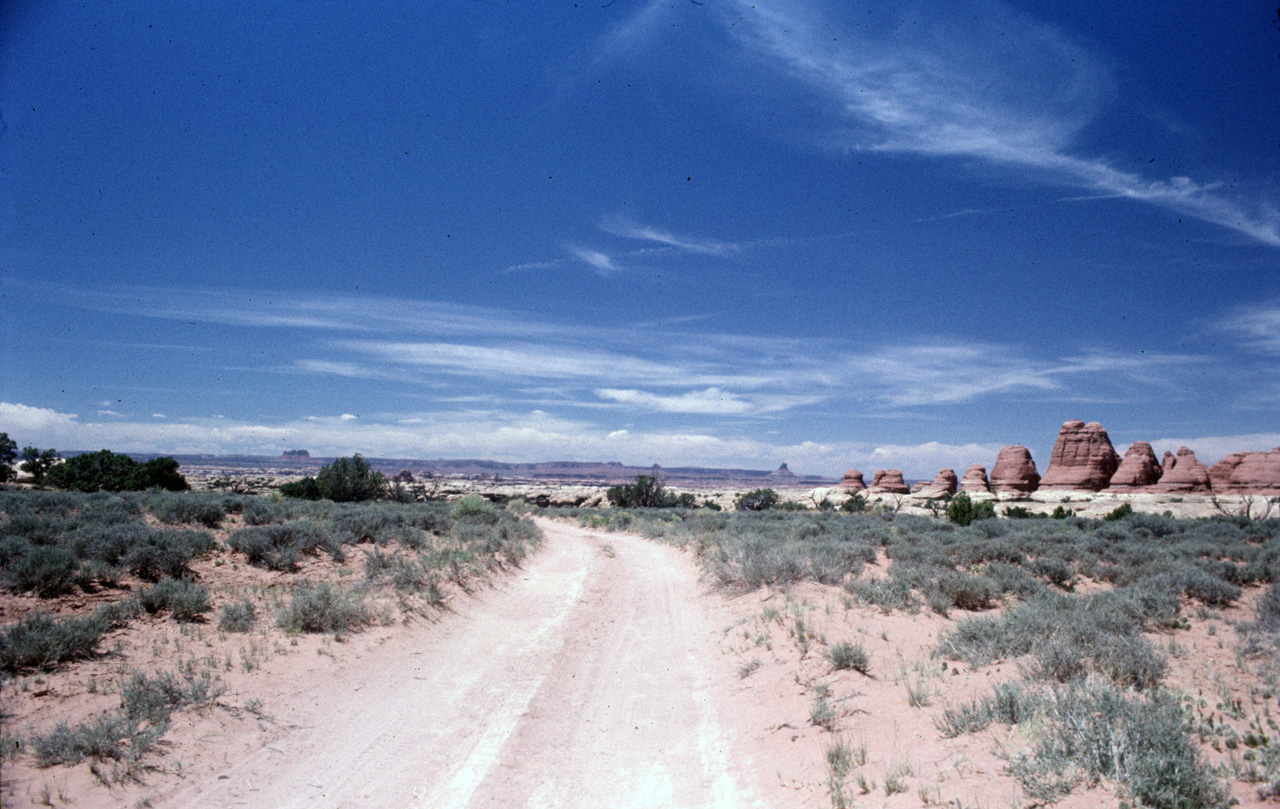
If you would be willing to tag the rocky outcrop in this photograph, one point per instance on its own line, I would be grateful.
(1188, 476)
(1167, 463)
(1015, 471)
(852, 481)
(975, 480)
(1082, 460)
(782, 472)
(945, 483)
(1247, 473)
(1137, 471)
(889, 481)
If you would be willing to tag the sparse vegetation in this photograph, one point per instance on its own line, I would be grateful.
(849, 656)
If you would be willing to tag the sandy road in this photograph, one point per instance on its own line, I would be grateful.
(582, 681)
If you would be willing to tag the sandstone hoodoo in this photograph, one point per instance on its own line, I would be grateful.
(1168, 462)
(852, 481)
(1015, 471)
(1138, 470)
(943, 484)
(1247, 473)
(1188, 476)
(975, 480)
(889, 481)
(1082, 460)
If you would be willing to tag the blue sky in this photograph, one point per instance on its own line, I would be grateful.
(830, 234)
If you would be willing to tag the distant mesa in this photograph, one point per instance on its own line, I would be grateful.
(1082, 460)
(782, 472)
(1247, 473)
(1188, 475)
(295, 455)
(852, 481)
(1015, 470)
(1138, 471)
(975, 480)
(889, 481)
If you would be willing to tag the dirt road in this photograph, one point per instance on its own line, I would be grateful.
(584, 680)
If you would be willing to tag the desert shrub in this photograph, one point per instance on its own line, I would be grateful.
(348, 480)
(1055, 571)
(848, 655)
(647, 492)
(1206, 587)
(324, 608)
(153, 699)
(856, 504)
(100, 738)
(1267, 610)
(756, 500)
(472, 505)
(185, 600)
(37, 463)
(163, 552)
(1022, 513)
(39, 641)
(280, 547)
(46, 571)
(887, 594)
(1093, 731)
(118, 613)
(968, 591)
(1119, 512)
(238, 616)
(189, 509)
(962, 510)
(305, 489)
(107, 471)
(1008, 704)
(264, 511)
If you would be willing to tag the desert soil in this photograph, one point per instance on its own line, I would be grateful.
(602, 674)
(587, 679)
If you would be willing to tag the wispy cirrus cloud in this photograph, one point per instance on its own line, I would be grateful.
(1256, 327)
(598, 260)
(995, 86)
(627, 229)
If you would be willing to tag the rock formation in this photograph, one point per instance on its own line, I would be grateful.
(782, 472)
(1188, 476)
(1015, 471)
(1082, 460)
(975, 479)
(1168, 462)
(889, 481)
(852, 481)
(1247, 473)
(944, 483)
(1137, 471)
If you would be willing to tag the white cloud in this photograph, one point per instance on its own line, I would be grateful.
(348, 417)
(627, 229)
(158, 416)
(20, 418)
(996, 86)
(1257, 327)
(601, 262)
(709, 401)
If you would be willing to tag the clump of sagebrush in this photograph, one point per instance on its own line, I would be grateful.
(281, 547)
(756, 500)
(848, 655)
(472, 505)
(185, 600)
(324, 607)
(40, 641)
(190, 508)
(238, 616)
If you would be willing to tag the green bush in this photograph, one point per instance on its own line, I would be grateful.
(305, 489)
(107, 471)
(37, 463)
(1119, 512)
(160, 552)
(962, 510)
(349, 480)
(100, 738)
(472, 505)
(756, 500)
(324, 608)
(8, 454)
(856, 504)
(647, 492)
(40, 641)
(189, 509)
